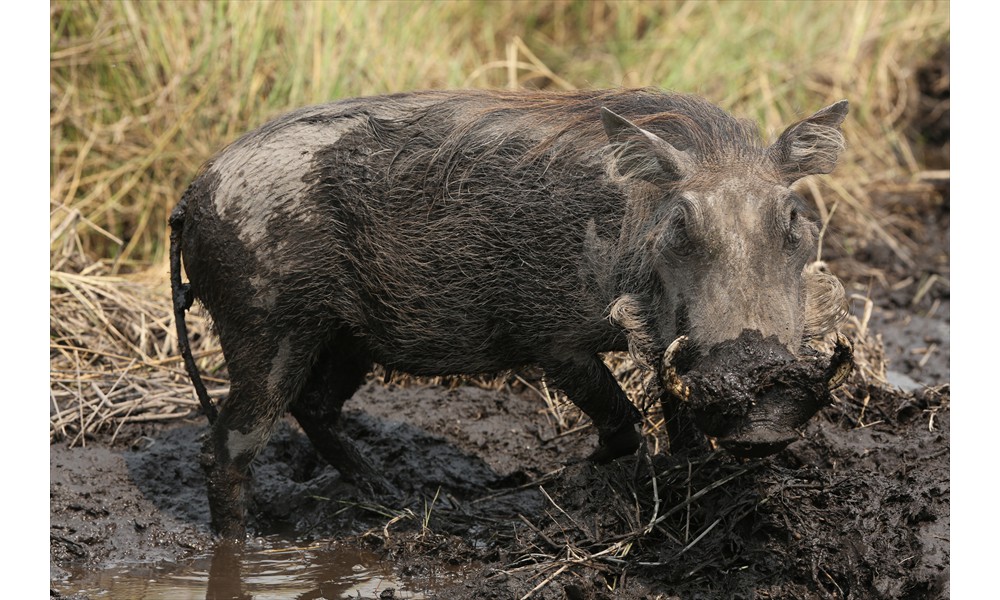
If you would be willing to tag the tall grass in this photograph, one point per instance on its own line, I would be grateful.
(144, 92)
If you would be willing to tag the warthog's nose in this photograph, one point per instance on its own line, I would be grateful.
(763, 443)
(751, 393)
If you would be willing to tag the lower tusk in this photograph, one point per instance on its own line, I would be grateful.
(675, 386)
(672, 382)
(672, 350)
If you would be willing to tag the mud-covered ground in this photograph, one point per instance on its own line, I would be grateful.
(847, 512)
(496, 505)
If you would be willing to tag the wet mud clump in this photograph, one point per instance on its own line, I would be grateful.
(751, 392)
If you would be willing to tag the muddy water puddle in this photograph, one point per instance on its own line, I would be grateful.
(274, 571)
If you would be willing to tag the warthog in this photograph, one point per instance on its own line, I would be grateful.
(473, 232)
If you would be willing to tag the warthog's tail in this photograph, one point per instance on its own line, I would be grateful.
(183, 297)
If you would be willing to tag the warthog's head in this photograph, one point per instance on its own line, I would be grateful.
(730, 247)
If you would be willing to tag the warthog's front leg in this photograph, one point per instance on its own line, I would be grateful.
(589, 383)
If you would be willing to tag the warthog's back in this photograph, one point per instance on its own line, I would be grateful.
(455, 231)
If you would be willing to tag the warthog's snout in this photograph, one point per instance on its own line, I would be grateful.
(751, 393)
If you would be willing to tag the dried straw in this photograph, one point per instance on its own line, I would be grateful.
(113, 357)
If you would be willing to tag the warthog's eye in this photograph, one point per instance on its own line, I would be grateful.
(678, 240)
(794, 234)
(797, 221)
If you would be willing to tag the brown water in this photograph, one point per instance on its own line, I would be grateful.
(301, 572)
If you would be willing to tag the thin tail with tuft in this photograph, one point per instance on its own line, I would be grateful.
(182, 298)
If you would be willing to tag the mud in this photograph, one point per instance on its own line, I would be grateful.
(751, 393)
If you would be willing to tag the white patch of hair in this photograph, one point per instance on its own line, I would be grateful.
(626, 311)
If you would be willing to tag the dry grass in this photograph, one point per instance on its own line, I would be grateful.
(143, 93)
(113, 346)
(113, 356)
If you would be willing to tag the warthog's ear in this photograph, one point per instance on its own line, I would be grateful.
(812, 145)
(644, 155)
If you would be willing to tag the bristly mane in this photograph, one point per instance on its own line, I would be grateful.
(523, 127)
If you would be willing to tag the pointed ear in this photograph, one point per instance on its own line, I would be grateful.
(812, 145)
(644, 155)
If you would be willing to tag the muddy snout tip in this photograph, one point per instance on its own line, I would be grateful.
(752, 393)
(759, 444)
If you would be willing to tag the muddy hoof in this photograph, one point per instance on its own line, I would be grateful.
(621, 443)
(379, 487)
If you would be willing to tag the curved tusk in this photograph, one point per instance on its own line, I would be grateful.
(672, 382)
(672, 350)
(841, 363)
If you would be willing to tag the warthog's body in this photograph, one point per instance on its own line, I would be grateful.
(470, 232)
